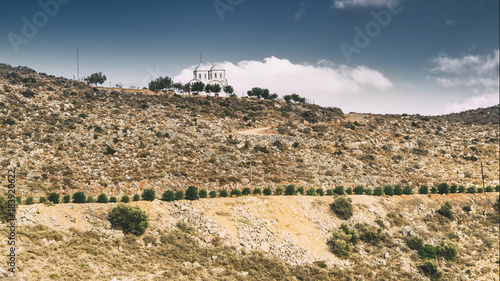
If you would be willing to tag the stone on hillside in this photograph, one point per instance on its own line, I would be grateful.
(218, 270)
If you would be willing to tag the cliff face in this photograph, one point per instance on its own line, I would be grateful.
(66, 136)
(249, 238)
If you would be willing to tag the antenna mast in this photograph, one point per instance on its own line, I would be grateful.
(77, 67)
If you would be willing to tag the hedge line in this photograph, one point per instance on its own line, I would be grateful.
(192, 193)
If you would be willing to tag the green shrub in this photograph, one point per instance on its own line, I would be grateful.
(398, 189)
(348, 191)
(342, 207)
(427, 252)
(148, 194)
(389, 190)
(129, 219)
(212, 194)
(90, 199)
(378, 191)
(446, 210)
(79, 197)
(203, 193)
(329, 192)
(408, 190)
(192, 193)
(369, 236)
(235, 192)
(380, 223)
(368, 191)
(461, 189)
(443, 188)
(489, 188)
(311, 192)
(320, 264)
(497, 188)
(448, 252)
(168, 196)
(290, 190)
(179, 195)
(278, 191)
(136, 197)
(19, 199)
(359, 189)
(430, 270)
(433, 190)
(479, 190)
(125, 199)
(257, 191)
(66, 198)
(223, 193)
(415, 243)
(268, 191)
(339, 190)
(320, 191)
(112, 199)
(246, 191)
(343, 240)
(471, 189)
(102, 198)
(453, 188)
(30, 201)
(423, 189)
(53, 197)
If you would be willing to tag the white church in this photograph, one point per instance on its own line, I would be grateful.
(216, 75)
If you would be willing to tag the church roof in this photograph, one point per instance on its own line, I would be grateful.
(216, 67)
(201, 67)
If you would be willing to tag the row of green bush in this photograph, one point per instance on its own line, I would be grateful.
(78, 197)
(444, 188)
(192, 193)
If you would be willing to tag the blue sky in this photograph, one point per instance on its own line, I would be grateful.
(430, 57)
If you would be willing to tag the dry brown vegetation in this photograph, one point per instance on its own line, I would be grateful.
(66, 135)
(75, 241)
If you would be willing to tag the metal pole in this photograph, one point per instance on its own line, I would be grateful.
(482, 175)
(77, 66)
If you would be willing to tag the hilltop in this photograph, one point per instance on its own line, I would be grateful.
(65, 135)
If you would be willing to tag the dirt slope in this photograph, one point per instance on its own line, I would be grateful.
(294, 229)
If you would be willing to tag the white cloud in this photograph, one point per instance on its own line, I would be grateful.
(320, 82)
(472, 103)
(301, 12)
(474, 75)
(363, 4)
(469, 70)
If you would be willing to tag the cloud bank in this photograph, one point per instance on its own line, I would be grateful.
(319, 82)
(478, 75)
(363, 4)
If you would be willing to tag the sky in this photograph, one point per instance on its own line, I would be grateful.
(374, 56)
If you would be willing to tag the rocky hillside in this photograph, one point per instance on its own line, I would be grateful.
(260, 238)
(66, 136)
